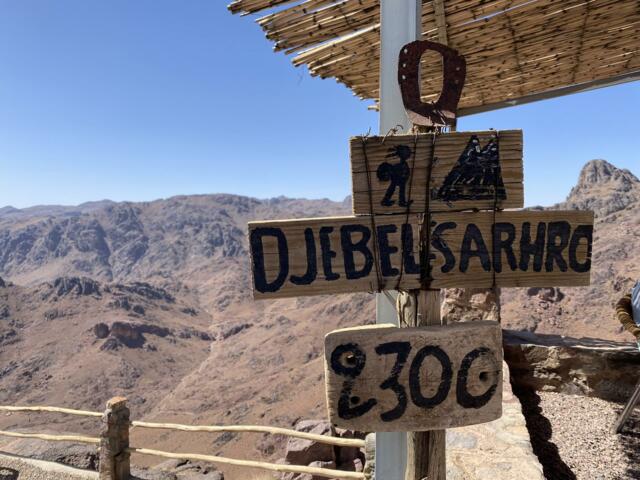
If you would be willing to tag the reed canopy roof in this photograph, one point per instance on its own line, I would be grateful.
(515, 49)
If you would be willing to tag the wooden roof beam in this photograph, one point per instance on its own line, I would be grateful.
(554, 93)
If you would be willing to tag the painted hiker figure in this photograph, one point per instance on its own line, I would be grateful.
(397, 174)
(476, 175)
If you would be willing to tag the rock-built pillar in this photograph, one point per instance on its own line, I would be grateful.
(114, 441)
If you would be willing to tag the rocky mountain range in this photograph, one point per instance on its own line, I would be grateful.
(152, 300)
(614, 195)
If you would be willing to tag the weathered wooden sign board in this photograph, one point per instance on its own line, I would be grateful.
(291, 258)
(381, 378)
(451, 171)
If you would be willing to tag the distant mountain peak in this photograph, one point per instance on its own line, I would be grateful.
(600, 171)
(8, 210)
(603, 188)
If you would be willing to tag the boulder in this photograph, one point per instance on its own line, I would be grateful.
(234, 330)
(308, 476)
(304, 452)
(128, 333)
(145, 290)
(145, 474)
(547, 294)
(72, 455)
(585, 366)
(101, 330)
(310, 453)
(349, 458)
(76, 285)
(188, 470)
(469, 304)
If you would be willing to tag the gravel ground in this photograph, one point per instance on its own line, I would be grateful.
(572, 437)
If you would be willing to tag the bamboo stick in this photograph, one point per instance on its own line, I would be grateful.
(320, 472)
(69, 411)
(342, 442)
(52, 438)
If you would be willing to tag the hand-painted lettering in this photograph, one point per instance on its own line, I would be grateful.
(401, 350)
(557, 240)
(335, 254)
(445, 379)
(327, 254)
(312, 264)
(535, 249)
(348, 360)
(505, 245)
(349, 247)
(386, 250)
(408, 259)
(259, 271)
(473, 235)
(466, 399)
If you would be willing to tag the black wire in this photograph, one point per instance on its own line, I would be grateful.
(376, 253)
(408, 209)
(426, 223)
(498, 170)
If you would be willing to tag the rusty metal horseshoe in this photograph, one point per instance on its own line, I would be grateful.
(443, 111)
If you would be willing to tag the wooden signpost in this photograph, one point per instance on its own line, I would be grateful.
(291, 258)
(427, 378)
(455, 171)
(429, 214)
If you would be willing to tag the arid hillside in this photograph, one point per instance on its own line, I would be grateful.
(153, 300)
(614, 196)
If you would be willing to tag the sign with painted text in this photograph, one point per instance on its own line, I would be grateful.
(383, 378)
(292, 258)
(444, 172)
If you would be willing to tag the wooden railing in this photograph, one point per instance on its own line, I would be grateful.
(115, 451)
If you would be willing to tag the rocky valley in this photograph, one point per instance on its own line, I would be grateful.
(153, 301)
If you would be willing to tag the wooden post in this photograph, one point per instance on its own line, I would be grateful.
(370, 456)
(114, 441)
(426, 451)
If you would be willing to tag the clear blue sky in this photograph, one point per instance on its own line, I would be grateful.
(138, 100)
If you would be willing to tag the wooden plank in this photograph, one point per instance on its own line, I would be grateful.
(468, 169)
(414, 379)
(527, 249)
(334, 255)
(292, 258)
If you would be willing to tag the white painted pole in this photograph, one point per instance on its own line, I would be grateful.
(400, 23)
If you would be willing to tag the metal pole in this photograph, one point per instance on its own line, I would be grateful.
(628, 409)
(400, 23)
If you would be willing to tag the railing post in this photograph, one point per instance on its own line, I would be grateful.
(114, 441)
(370, 456)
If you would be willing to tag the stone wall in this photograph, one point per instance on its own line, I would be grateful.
(585, 366)
(13, 467)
